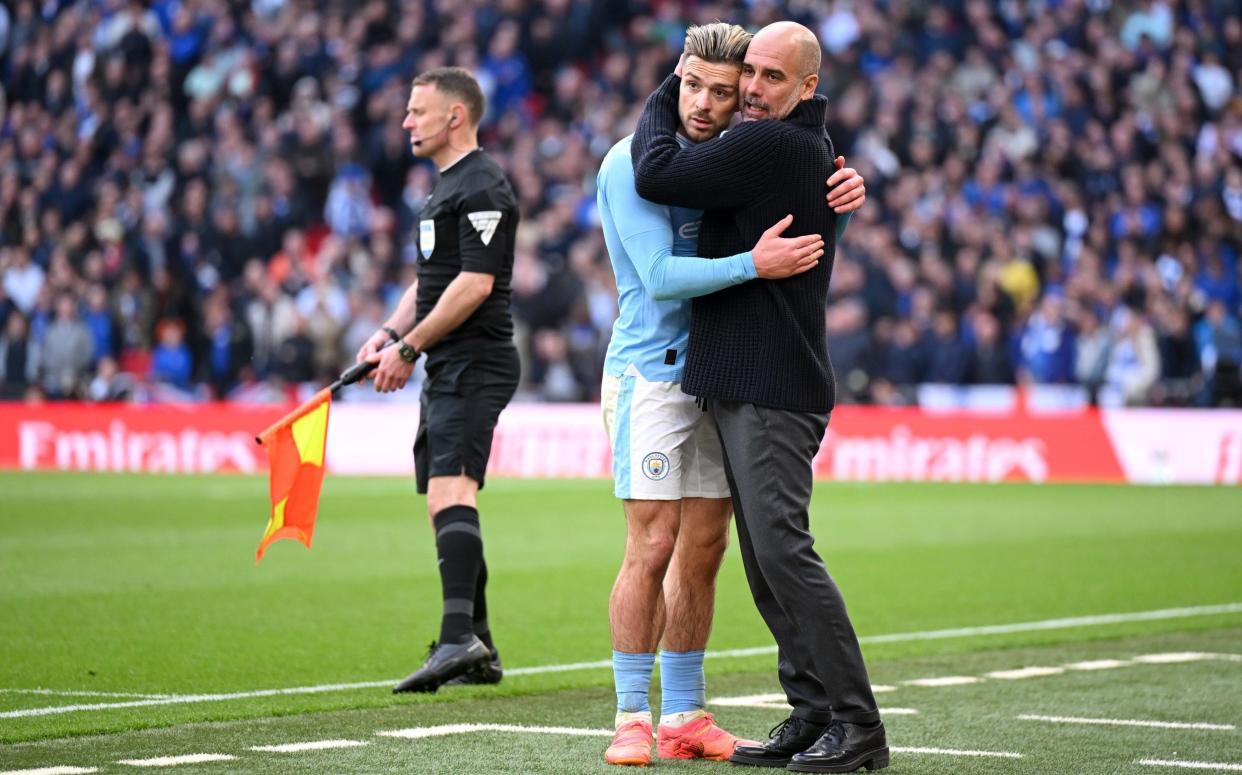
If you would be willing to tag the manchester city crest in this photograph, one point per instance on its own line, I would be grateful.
(655, 466)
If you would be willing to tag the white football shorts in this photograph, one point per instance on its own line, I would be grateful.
(664, 447)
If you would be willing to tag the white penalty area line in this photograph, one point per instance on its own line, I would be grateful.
(1219, 767)
(960, 632)
(1121, 722)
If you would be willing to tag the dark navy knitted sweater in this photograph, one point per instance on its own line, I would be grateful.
(762, 342)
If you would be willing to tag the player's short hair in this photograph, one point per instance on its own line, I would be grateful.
(718, 43)
(457, 82)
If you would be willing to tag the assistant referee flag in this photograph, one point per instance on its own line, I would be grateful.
(295, 452)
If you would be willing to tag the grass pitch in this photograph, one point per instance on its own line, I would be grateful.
(139, 585)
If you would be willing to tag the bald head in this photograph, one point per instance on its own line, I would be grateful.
(781, 69)
(799, 41)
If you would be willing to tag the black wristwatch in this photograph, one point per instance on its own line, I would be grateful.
(390, 333)
(407, 353)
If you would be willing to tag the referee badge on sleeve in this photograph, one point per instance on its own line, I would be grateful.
(485, 223)
(427, 238)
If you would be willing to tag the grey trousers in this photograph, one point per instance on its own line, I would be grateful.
(767, 454)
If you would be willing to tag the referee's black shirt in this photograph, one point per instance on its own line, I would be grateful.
(468, 224)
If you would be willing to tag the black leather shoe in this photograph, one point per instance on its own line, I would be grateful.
(445, 661)
(791, 736)
(844, 747)
(489, 672)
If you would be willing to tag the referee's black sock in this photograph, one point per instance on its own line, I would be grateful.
(481, 627)
(459, 546)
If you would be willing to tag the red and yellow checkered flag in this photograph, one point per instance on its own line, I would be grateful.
(295, 447)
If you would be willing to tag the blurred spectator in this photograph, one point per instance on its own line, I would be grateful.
(228, 346)
(348, 211)
(171, 361)
(1091, 355)
(292, 360)
(991, 363)
(905, 358)
(850, 348)
(66, 351)
(23, 279)
(19, 357)
(1181, 376)
(950, 356)
(1220, 345)
(109, 383)
(98, 318)
(1133, 358)
(1047, 344)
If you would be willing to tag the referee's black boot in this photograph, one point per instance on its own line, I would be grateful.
(791, 736)
(489, 672)
(445, 661)
(845, 747)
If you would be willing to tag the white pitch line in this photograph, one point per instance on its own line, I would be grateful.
(748, 699)
(416, 733)
(961, 632)
(778, 702)
(1025, 672)
(1098, 664)
(53, 771)
(956, 752)
(945, 680)
(174, 761)
(71, 693)
(1119, 722)
(182, 699)
(1191, 765)
(1174, 658)
(313, 745)
(1059, 624)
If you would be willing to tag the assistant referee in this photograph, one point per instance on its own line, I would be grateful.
(458, 314)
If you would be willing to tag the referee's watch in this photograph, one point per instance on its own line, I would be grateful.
(407, 353)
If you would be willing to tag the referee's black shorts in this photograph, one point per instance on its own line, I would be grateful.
(463, 396)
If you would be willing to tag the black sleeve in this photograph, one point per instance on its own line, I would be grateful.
(482, 229)
(730, 171)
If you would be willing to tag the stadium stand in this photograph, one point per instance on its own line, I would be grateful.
(203, 199)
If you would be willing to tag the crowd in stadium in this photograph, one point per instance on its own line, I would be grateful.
(208, 199)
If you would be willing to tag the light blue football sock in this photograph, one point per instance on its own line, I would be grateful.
(683, 686)
(632, 675)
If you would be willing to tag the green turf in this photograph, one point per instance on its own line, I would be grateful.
(980, 717)
(142, 584)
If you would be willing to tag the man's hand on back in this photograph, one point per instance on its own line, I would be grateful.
(846, 189)
(777, 257)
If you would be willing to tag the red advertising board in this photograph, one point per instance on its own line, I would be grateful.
(870, 444)
(560, 440)
(125, 437)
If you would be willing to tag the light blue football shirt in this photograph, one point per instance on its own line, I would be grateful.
(652, 248)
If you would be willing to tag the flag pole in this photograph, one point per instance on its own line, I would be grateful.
(348, 377)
